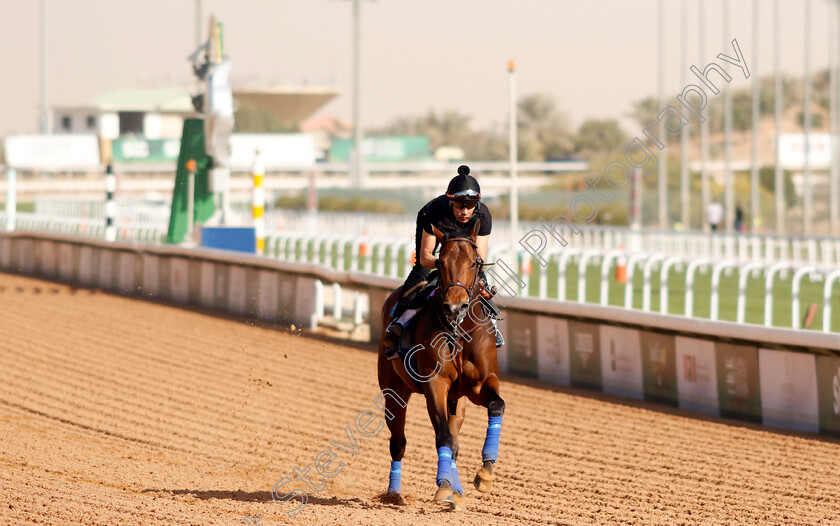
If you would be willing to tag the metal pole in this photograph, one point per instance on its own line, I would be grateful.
(227, 214)
(834, 178)
(832, 129)
(198, 10)
(663, 163)
(685, 203)
(191, 168)
(258, 205)
(777, 96)
(110, 205)
(513, 145)
(45, 102)
(636, 190)
(198, 15)
(754, 204)
(311, 205)
(358, 160)
(728, 177)
(11, 198)
(704, 127)
(806, 175)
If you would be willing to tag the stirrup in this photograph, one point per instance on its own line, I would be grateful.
(500, 341)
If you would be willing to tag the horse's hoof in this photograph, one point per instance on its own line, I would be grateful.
(444, 494)
(483, 480)
(457, 503)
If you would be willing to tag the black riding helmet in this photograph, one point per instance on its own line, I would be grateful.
(464, 187)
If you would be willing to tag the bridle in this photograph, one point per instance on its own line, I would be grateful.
(441, 291)
(478, 263)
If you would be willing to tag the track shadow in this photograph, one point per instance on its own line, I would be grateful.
(234, 495)
(378, 502)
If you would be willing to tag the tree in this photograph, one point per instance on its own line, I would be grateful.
(742, 110)
(596, 135)
(487, 145)
(543, 132)
(449, 128)
(543, 128)
(251, 117)
(821, 89)
(767, 180)
(644, 111)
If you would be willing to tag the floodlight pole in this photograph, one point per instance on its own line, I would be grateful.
(45, 102)
(755, 211)
(685, 200)
(358, 134)
(834, 176)
(779, 186)
(198, 10)
(807, 198)
(728, 177)
(705, 189)
(663, 162)
(514, 189)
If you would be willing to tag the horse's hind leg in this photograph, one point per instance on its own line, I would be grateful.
(396, 426)
(489, 398)
(396, 395)
(457, 411)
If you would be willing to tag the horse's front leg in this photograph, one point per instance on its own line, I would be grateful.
(457, 412)
(436, 393)
(489, 398)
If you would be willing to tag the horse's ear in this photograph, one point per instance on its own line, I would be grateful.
(437, 233)
(475, 229)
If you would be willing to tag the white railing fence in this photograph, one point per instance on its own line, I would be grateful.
(818, 251)
(687, 264)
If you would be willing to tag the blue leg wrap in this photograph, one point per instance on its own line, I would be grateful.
(456, 480)
(444, 471)
(395, 478)
(491, 441)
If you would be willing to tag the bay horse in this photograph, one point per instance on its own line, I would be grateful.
(451, 359)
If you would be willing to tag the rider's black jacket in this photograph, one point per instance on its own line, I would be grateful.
(437, 212)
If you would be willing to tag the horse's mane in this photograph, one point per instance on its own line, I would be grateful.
(459, 231)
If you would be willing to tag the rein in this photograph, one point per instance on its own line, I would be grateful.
(477, 264)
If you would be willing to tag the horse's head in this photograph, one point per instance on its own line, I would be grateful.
(458, 267)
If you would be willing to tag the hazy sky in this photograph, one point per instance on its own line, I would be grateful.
(594, 56)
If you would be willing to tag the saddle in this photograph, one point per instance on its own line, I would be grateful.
(420, 299)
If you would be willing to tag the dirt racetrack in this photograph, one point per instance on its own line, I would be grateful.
(117, 411)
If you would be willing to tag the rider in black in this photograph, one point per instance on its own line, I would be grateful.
(452, 213)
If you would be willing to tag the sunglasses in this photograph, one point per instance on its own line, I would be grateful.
(469, 205)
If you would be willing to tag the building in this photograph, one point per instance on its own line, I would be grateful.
(160, 113)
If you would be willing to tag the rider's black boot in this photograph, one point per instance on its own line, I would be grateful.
(394, 330)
